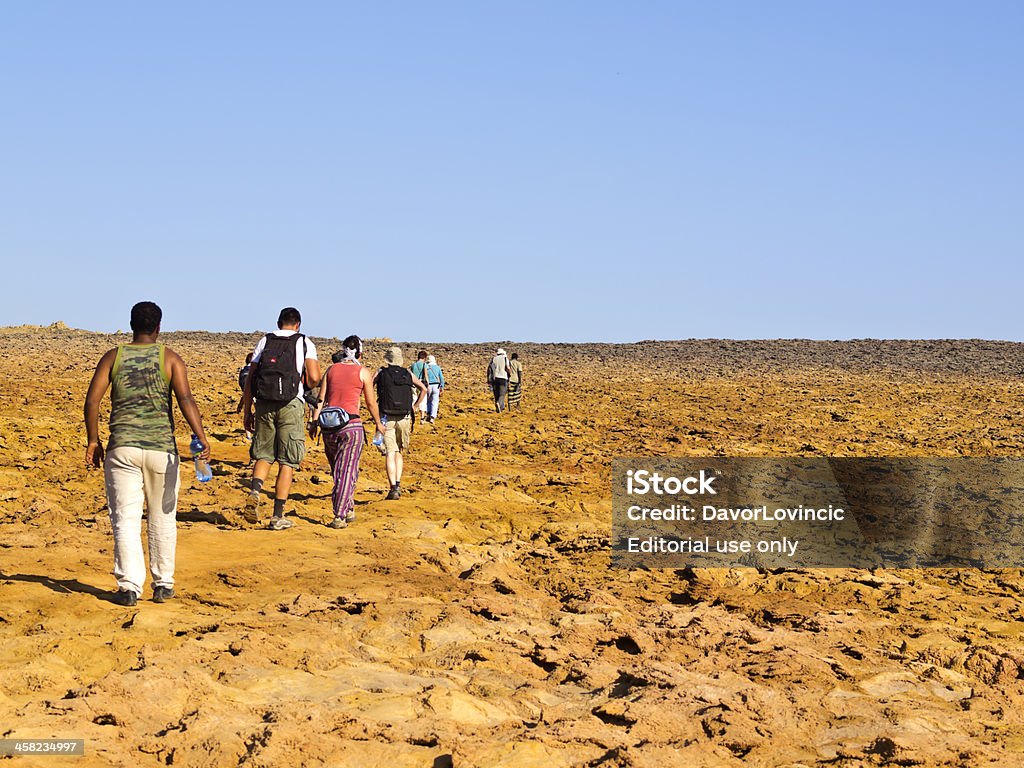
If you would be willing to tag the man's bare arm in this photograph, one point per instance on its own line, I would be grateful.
(423, 394)
(187, 404)
(371, 402)
(314, 424)
(312, 373)
(97, 388)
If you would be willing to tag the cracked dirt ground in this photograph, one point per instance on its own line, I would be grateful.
(476, 622)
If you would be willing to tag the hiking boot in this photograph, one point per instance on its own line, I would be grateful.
(125, 597)
(251, 513)
(280, 523)
(162, 594)
(338, 522)
(393, 494)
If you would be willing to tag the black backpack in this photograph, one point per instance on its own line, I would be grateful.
(394, 391)
(275, 378)
(243, 374)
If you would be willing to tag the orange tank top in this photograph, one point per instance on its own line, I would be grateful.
(344, 385)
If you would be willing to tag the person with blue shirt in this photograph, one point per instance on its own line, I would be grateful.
(434, 378)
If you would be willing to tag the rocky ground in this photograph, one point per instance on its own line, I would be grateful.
(476, 622)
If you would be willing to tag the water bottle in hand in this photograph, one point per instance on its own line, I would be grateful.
(378, 439)
(203, 472)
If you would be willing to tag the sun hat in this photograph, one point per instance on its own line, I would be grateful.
(393, 356)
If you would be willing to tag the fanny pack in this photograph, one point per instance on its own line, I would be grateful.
(333, 418)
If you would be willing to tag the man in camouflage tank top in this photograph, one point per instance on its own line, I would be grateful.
(141, 464)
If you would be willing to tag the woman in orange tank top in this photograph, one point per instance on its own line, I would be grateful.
(343, 383)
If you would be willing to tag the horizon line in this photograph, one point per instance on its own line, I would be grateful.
(61, 326)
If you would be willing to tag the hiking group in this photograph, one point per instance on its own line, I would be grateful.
(505, 378)
(284, 395)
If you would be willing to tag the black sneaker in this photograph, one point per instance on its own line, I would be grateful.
(125, 597)
(162, 594)
(393, 494)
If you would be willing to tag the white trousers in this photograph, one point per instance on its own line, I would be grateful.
(433, 399)
(134, 476)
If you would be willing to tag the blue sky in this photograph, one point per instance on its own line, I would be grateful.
(529, 171)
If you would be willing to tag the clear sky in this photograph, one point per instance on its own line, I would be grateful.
(548, 171)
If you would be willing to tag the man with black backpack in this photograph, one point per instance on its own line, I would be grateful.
(394, 386)
(284, 364)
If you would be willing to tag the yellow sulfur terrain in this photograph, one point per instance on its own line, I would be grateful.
(476, 621)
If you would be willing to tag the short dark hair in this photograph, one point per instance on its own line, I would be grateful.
(422, 355)
(146, 317)
(515, 355)
(288, 316)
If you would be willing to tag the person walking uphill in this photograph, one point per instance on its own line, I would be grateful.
(515, 382)
(394, 398)
(497, 378)
(284, 363)
(141, 463)
(344, 436)
(433, 377)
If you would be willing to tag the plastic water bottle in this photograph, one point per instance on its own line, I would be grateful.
(203, 472)
(378, 439)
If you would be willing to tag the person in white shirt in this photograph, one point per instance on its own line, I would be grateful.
(497, 378)
(284, 363)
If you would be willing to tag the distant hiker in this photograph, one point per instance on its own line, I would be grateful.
(243, 375)
(433, 376)
(497, 378)
(284, 363)
(343, 432)
(141, 458)
(515, 382)
(394, 398)
(417, 371)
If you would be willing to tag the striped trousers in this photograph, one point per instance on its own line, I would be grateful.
(344, 447)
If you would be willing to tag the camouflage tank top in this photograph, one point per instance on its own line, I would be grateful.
(140, 400)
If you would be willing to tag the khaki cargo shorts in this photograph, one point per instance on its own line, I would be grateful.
(397, 433)
(280, 433)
